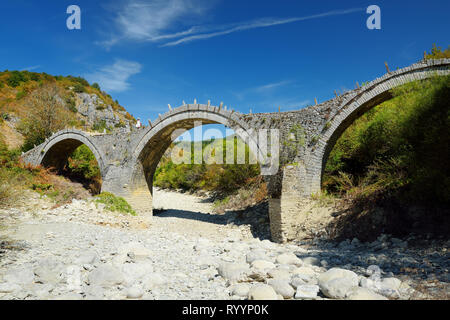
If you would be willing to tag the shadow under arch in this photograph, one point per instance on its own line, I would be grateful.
(57, 149)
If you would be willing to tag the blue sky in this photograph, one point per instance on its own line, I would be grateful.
(249, 54)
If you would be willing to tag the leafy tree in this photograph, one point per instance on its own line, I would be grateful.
(437, 53)
(47, 115)
(15, 78)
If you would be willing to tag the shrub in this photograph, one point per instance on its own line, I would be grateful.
(114, 203)
(20, 95)
(71, 105)
(82, 161)
(15, 78)
(79, 88)
(437, 53)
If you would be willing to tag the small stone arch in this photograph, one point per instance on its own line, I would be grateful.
(356, 105)
(56, 149)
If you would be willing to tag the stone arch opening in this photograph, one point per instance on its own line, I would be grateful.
(160, 136)
(359, 102)
(56, 152)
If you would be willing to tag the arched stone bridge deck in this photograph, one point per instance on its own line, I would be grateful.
(128, 160)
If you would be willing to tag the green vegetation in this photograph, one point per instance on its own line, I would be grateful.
(83, 162)
(16, 86)
(46, 115)
(83, 167)
(114, 203)
(101, 126)
(224, 178)
(437, 53)
(398, 150)
(16, 177)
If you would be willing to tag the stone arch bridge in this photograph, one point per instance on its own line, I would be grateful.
(128, 160)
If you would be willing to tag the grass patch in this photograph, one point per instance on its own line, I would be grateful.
(114, 203)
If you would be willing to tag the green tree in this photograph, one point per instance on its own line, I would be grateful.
(47, 115)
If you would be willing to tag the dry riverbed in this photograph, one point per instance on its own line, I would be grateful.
(80, 251)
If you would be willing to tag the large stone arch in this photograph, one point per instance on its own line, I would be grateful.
(357, 104)
(159, 136)
(55, 151)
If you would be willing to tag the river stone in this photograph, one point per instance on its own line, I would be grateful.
(262, 292)
(337, 288)
(373, 270)
(300, 279)
(136, 271)
(233, 271)
(135, 248)
(260, 265)
(304, 271)
(279, 274)
(9, 287)
(311, 261)
(49, 270)
(154, 280)
(282, 287)
(336, 282)
(88, 257)
(256, 255)
(135, 292)
(105, 276)
(240, 289)
(389, 287)
(307, 291)
(288, 258)
(363, 294)
(20, 275)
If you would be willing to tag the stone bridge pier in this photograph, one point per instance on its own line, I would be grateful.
(300, 149)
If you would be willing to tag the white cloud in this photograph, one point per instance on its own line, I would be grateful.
(260, 23)
(115, 77)
(271, 86)
(139, 20)
(31, 68)
(158, 20)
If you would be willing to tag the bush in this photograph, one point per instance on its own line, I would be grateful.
(20, 95)
(71, 105)
(96, 86)
(79, 88)
(437, 53)
(82, 161)
(15, 78)
(114, 203)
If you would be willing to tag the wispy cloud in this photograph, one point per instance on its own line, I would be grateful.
(260, 23)
(31, 68)
(139, 20)
(158, 20)
(271, 86)
(114, 78)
